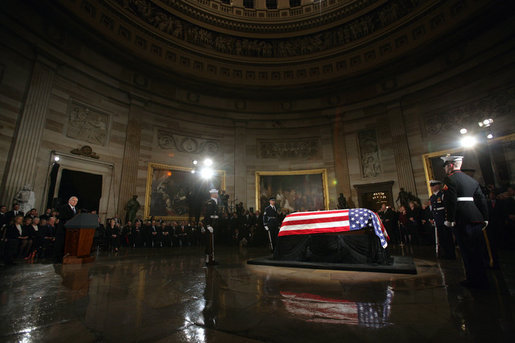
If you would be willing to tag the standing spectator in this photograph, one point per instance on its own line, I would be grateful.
(139, 236)
(387, 216)
(113, 235)
(403, 225)
(48, 238)
(427, 232)
(36, 238)
(26, 238)
(413, 225)
(127, 234)
(166, 231)
(154, 236)
(13, 239)
(4, 219)
(13, 213)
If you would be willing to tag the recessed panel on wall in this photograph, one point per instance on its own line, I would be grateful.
(369, 154)
(86, 123)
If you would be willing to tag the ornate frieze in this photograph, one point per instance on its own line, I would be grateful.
(189, 144)
(265, 20)
(369, 153)
(453, 119)
(86, 123)
(356, 29)
(178, 44)
(298, 148)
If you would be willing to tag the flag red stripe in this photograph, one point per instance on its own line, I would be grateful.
(300, 214)
(310, 296)
(315, 220)
(313, 231)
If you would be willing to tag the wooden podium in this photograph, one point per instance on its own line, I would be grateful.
(80, 231)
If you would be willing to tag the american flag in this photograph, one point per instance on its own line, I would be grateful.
(337, 221)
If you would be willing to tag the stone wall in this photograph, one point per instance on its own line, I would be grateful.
(55, 99)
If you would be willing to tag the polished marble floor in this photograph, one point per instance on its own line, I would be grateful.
(168, 295)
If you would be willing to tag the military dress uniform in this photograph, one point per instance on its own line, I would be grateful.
(445, 238)
(466, 208)
(210, 221)
(271, 220)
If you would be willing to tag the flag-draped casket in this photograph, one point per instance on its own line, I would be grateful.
(339, 236)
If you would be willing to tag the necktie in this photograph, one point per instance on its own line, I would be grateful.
(73, 208)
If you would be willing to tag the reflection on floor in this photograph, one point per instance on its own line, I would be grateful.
(168, 295)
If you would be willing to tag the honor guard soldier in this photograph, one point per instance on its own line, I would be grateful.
(271, 222)
(444, 237)
(210, 221)
(466, 212)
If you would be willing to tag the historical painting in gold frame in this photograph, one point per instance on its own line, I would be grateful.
(170, 190)
(299, 190)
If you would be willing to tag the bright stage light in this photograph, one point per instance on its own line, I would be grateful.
(208, 162)
(57, 158)
(195, 162)
(206, 173)
(468, 141)
(489, 136)
(193, 171)
(463, 131)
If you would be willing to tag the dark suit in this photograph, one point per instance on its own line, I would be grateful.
(465, 204)
(12, 235)
(11, 214)
(4, 219)
(65, 213)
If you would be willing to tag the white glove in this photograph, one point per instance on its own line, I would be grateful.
(449, 224)
(210, 228)
(486, 224)
(266, 228)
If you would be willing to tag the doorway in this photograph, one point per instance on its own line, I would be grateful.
(86, 186)
(373, 195)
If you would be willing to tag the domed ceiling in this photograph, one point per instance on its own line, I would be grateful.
(226, 42)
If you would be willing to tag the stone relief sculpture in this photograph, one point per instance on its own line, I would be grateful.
(86, 151)
(290, 149)
(26, 198)
(360, 27)
(87, 124)
(369, 153)
(192, 145)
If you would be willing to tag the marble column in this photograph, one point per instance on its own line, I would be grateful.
(341, 164)
(131, 153)
(401, 151)
(240, 164)
(29, 131)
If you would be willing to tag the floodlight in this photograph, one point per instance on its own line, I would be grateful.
(468, 141)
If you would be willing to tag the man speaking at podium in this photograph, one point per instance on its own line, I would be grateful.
(66, 213)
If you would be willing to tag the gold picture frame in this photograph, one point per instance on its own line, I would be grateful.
(428, 169)
(288, 180)
(168, 187)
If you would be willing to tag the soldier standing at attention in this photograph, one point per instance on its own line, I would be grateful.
(210, 220)
(445, 238)
(271, 221)
(466, 211)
